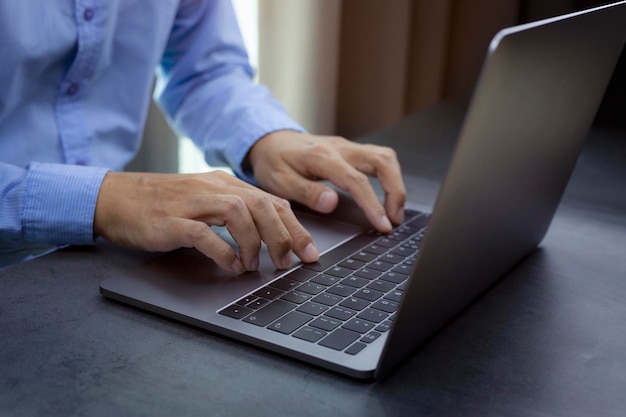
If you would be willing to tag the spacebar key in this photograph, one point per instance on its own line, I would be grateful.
(269, 313)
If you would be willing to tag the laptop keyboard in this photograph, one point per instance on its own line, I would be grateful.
(348, 298)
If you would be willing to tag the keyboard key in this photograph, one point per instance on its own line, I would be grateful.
(352, 264)
(296, 297)
(354, 303)
(403, 251)
(392, 258)
(326, 280)
(376, 249)
(246, 300)
(375, 316)
(289, 322)
(269, 313)
(356, 348)
(359, 325)
(313, 309)
(283, 284)
(395, 295)
(399, 235)
(236, 311)
(404, 269)
(300, 275)
(368, 294)
(356, 282)
(363, 256)
(381, 285)
(380, 266)
(258, 303)
(387, 306)
(340, 313)
(269, 293)
(384, 326)
(341, 290)
(340, 339)
(370, 337)
(368, 273)
(394, 277)
(327, 299)
(311, 288)
(338, 271)
(385, 242)
(309, 334)
(325, 323)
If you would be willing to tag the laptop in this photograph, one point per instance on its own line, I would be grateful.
(373, 299)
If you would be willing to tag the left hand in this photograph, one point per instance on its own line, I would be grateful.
(288, 164)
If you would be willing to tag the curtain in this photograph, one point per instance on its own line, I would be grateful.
(350, 67)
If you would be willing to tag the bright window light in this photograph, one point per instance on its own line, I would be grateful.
(190, 158)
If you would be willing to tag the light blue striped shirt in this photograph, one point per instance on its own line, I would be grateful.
(75, 83)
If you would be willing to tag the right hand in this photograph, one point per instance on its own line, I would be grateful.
(163, 212)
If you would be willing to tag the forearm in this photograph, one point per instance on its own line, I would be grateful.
(206, 87)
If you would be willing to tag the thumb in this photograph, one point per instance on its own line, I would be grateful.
(312, 194)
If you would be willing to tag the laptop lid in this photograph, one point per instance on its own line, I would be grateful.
(538, 93)
(536, 98)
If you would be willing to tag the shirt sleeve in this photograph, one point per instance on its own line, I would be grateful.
(47, 204)
(206, 86)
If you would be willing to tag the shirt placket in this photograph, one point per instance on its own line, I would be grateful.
(73, 131)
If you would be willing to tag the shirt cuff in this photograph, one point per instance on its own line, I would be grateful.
(60, 203)
(250, 129)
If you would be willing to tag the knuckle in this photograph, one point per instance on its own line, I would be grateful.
(282, 205)
(358, 178)
(385, 155)
(281, 240)
(196, 231)
(233, 203)
(261, 201)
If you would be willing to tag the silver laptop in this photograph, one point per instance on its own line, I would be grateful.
(373, 299)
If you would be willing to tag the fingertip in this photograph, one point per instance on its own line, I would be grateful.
(310, 254)
(385, 224)
(237, 266)
(327, 201)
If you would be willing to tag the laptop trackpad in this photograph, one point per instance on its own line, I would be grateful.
(185, 280)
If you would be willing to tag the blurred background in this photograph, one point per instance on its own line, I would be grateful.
(351, 67)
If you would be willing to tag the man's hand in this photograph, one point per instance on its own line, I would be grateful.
(288, 164)
(162, 212)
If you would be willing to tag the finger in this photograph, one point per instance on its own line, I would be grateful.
(270, 227)
(382, 162)
(357, 184)
(302, 241)
(196, 234)
(291, 185)
(242, 227)
(229, 209)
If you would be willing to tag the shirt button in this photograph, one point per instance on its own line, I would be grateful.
(88, 14)
(72, 89)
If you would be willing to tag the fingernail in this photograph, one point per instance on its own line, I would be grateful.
(326, 202)
(237, 266)
(254, 264)
(385, 223)
(285, 262)
(310, 253)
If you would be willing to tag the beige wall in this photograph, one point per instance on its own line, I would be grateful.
(354, 66)
(298, 58)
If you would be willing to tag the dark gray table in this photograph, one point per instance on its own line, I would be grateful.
(548, 340)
